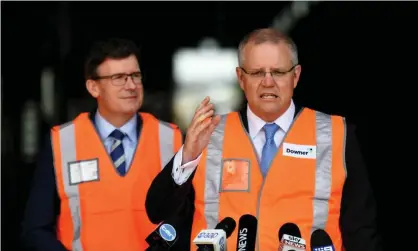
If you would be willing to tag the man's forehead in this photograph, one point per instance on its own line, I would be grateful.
(271, 54)
(111, 65)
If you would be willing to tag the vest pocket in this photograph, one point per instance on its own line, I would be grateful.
(235, 175)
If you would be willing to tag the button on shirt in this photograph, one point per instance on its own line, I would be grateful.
(129, 141)
(255, 126)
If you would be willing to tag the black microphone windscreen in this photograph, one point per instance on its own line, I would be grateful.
(165, 235)
(289, 229)
(247, 232)
(228, 225)
(320, 238)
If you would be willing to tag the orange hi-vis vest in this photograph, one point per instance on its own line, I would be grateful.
(303, 185)
(107, 212)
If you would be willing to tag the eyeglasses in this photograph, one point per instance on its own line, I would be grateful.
(121, 78)
(276, 74)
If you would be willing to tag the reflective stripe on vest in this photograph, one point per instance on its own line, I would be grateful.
(323, 179)
(166, 143)
(68, 154)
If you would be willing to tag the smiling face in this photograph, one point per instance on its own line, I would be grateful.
(118, 88)
(268, 77)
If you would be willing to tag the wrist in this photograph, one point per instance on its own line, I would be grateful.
(186, 157)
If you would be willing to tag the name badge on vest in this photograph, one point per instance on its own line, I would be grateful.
(83, 171)
(235, 175)
(299, 151)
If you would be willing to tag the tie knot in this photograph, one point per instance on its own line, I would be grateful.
(117, 134)
(270, 130)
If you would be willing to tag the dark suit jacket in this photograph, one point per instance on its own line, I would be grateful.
(357, 216)
(43, 205)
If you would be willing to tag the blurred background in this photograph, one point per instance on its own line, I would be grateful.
(188, 52)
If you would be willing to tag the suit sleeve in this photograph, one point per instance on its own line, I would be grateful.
(358, 206)
(165, 198)
(42, 207)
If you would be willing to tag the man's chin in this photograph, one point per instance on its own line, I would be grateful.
(271, 107)
(130, 106)
(130, 110)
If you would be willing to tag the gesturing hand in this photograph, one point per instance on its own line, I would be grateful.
(199, 132)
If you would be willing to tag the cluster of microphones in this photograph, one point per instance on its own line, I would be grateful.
(290, 239)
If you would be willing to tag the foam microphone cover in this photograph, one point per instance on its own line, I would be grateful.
(289, 229)
(247, 232)
(228, 225)
(320, 238)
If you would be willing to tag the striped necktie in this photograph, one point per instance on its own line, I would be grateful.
(269, 148)
(117, 152)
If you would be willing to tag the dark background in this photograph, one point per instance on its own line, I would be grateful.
(348, 51)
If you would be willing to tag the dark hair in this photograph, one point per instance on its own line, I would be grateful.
(114, 48)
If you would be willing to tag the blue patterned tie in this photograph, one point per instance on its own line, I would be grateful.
(269, 148)
(117, 153)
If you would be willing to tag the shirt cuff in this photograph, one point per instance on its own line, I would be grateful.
(181, 173)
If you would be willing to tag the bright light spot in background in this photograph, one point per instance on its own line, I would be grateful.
(287, 19)
(207, 70)
(47, 93)
(30, 126)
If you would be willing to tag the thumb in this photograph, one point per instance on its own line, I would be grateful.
(214, 123)
(215, 120)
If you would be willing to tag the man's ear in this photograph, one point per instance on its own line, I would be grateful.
(239, 77)
(93, 88)
(298, 71)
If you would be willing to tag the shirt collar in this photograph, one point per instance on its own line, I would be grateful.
(105, 128)
(255, 123)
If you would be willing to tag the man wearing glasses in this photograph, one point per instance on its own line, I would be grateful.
(90, 185)
(295, 164)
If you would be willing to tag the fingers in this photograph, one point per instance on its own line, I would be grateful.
(204, 121)
(204, 116)
(214, 123)
(198, 129)
(215, 120)
(203, 126)
(209, 124)
(204, 111)
(204, 102)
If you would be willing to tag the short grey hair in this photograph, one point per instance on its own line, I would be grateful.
(267, 35)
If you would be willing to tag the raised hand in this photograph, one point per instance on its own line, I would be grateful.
(198, 134)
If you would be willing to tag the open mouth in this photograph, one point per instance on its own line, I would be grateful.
(268, 96)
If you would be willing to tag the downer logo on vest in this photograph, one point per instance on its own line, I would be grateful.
(167, 232)
(299, 151)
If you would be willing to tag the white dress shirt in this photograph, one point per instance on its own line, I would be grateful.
(181, 173)
(129, 142)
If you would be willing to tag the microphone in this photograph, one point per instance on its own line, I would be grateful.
(291, 238)
(215, 239)
(163, 237)
(320, 241)
(247, 233)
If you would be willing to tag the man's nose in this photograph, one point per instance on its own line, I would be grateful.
(130, 84)
(268, 79)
